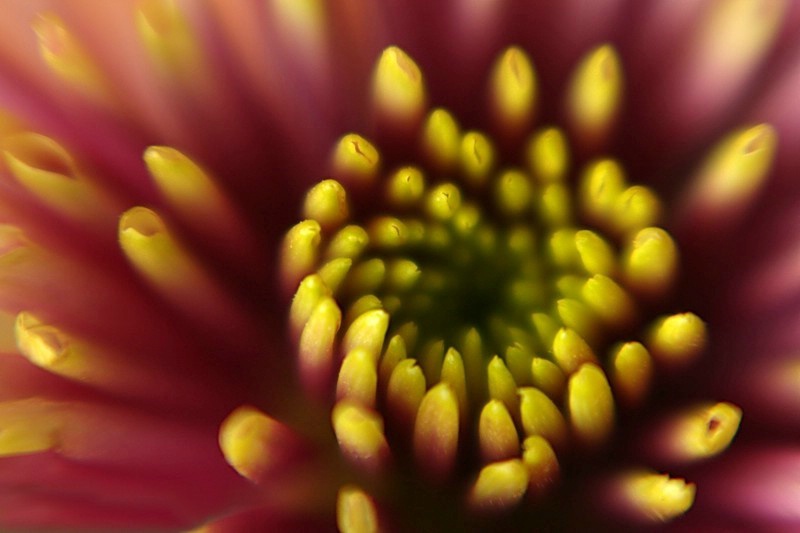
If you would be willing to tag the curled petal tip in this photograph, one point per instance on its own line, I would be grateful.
(66, 57)
(655, 497)
(499, 486)
(355, 159)
(356, 512)
(731, 177)
(254, 444)
(677, 340)
(595, 93)
(326, 203)
(360, 434)
(398, 89)
(316, 347)
(436, 432)
(512, 90)
(701, 432)
(590, 404)
(497, 434)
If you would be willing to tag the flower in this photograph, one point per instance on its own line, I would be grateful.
(542, 279)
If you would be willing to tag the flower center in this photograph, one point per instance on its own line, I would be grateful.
(478, 314)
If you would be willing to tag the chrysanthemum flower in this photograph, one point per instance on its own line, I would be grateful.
(399, 266)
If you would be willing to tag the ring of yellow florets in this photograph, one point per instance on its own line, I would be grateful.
(502, 303)
(477, 306)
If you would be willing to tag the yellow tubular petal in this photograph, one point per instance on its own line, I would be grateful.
(436, 431)
(651, 261)
(173, 46)
(657, 497)
(180, 179)
(355, 159)
(44, 345)
(548, 156)
(677, 339)
(595, 92)
(65, 353)
(406, 187)
(317, 341)
(300, 251)
(48, 171)
(570, 286)
(546, 328)
(355, 511)
(404, 393)
(502, 385)
(387, 233)
(334, 272)
(431, 359)
(358, 379)
(398, 90)
(443, 201)
(596, 254)
(366, 277)
(29, 426)
(191, 191)
(631, 372)
(248, 439)
(368, 302)
(555, 205)
(466, 220)
(540, 416)
(548, 378)
(474, 365)
(67, 58)
(735, 170)
(326, 203)
(441, 139)
(541, 462)
(394, 353)
(635, 208)
(368, 332)
(497, 435)
(518, 360)
(477, 157)
(163, 262)
(410, 333)
(752, 25)
(499, 485)
(402, 275)
(608, 300)
(562, 248)
(602, 182)
(512, 89)
(578, 317)
(705, 431)
(359, 432)
(513, 192)
(453, 374)
(348, 242)
(571, 351)
(591, 405)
